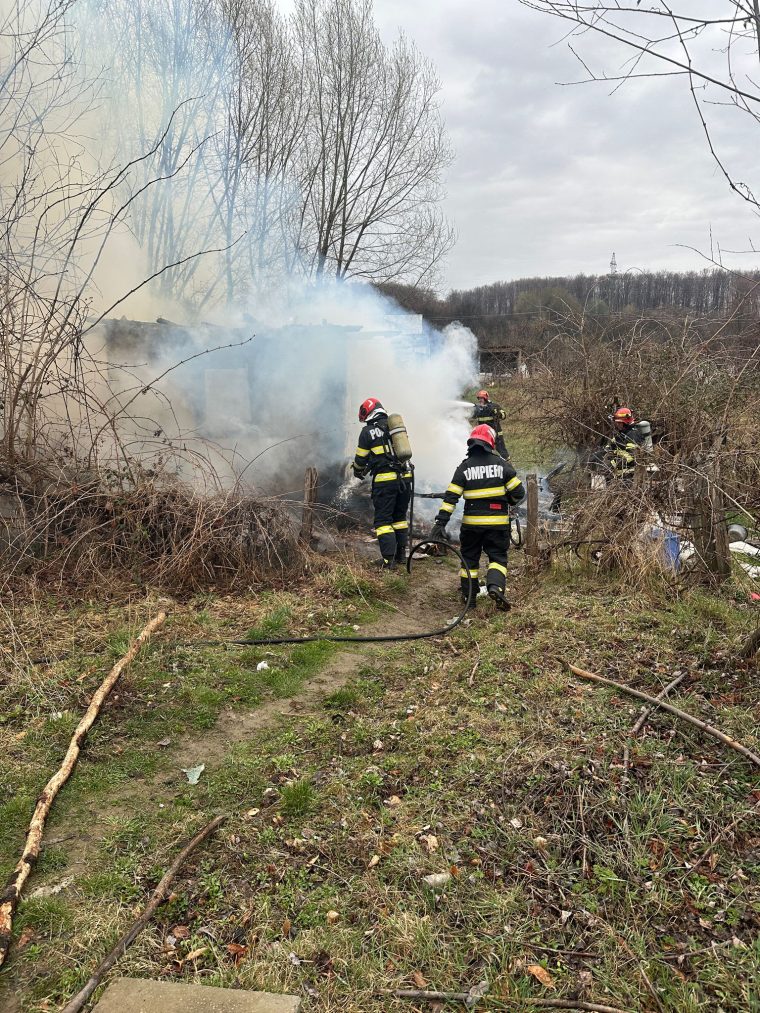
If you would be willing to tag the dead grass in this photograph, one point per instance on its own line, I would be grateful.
(159, 532)
(510, 785)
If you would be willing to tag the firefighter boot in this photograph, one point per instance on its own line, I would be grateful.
(384, 564)
(470, 590)
(402, 544)
(499, 598)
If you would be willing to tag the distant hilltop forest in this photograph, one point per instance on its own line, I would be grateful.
(499, 310)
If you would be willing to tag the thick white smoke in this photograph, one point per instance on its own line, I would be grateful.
(288, 399)
(261, 411)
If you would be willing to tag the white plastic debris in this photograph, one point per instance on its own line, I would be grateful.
(437, 879)
(262, 666)
(193, 773)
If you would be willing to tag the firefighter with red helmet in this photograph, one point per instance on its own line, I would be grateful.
(487, 412)
(391, 482)
(489, 485)
(620, 449)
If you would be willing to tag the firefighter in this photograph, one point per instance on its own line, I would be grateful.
(391, 482)
(619, 450)
(487, 412)
(489, 486)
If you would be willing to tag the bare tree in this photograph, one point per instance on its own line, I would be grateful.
(264, 112)
(375, 149)
(714, 47)
(60, 207)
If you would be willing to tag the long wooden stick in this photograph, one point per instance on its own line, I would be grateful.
(645, 714)
(709, 729)
(129, 937)
(12, 892)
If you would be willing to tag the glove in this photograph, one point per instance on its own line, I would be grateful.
(438, 532)
(357, 473)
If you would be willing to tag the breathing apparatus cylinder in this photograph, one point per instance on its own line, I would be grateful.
(645, 429)
(402, 448)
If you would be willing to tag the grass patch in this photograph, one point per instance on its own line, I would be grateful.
(505, 777)
(297, 799)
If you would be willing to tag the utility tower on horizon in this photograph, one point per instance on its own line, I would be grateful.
(613, 264)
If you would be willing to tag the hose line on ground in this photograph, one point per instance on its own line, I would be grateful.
(390, 638)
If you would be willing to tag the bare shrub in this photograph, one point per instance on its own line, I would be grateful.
(160, 533)
(702, 397)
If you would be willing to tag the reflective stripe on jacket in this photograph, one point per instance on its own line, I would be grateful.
(489, 486)
(374, 453)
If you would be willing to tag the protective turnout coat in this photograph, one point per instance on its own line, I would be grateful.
(489, 485)
(391, 487)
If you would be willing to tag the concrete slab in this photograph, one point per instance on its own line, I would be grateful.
(138, 995)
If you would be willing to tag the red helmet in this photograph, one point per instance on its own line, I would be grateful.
(623, 417)
(482, 434)
(367, 407)
(483, 394)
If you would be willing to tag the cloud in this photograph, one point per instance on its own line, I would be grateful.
(551, 179)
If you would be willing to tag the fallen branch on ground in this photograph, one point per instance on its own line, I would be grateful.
(129, 937)
(475, 667)
(428, 996)
(709, 729)
(643, 718)
(12, 892)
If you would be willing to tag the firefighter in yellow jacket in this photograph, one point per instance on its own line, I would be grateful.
(487, 413)
(489, 486)
(391, 482)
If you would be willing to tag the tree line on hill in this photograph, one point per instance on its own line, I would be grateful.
(505, 310)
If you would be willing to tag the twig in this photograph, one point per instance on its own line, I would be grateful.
(584, 855)
(714, 946)
(129, 937)
(12, 892)
(643, 718)
(475, 667)
(580, 1004)
(418, 993)
(709, 729)
(584, 954)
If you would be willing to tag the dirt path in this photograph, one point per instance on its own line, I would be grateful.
(431, 601)
(429, 605)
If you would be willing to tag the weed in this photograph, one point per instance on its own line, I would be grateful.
(297, 799)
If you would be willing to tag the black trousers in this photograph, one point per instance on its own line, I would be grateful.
(494, 541)
(391, 502)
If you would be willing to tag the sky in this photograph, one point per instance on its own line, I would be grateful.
(551, 179)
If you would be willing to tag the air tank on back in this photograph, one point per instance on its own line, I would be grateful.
(402, 448)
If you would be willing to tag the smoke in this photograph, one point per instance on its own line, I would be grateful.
(285, 395)
(265, 369)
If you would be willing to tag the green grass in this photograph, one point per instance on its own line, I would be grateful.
(332, 813)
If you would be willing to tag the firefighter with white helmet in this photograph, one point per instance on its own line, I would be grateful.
(490, 486)
(391, 471)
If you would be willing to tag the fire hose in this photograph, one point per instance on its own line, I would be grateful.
(335, 639)
(389, 638)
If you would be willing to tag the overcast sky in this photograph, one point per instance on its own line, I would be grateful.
(550, 179)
